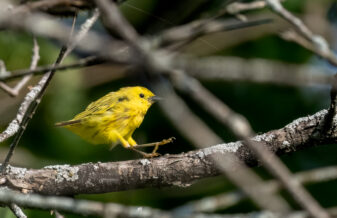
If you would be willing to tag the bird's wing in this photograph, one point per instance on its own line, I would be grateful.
(98, 108)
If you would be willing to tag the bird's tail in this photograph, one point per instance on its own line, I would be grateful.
(67, 123)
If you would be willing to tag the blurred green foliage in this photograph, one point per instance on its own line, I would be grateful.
(266, 107)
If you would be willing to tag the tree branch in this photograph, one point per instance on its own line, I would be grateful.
(170, 170)
(222, 201)
(82, 207)
(17, 211)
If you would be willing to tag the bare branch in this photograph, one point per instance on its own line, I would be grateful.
(33, 98)
(43, 25)
(82, 207)
(238, 7)
(33, 65)
(243, 177)
(242, 129)
(58, 214)
(83, 31)
(17, 211)
(193, 30)
(56, 7)
(295, 37)
(107, 210)
(84, 62)
(35, 58)
(318, 43)
(7, 89)
(252, 70)
(225, 200)
(116, 22)
(169, 170)
(32, 103)
(59, 7)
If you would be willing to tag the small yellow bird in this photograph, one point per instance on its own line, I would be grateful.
(113, 118)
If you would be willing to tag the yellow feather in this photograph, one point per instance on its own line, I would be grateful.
(113, 118)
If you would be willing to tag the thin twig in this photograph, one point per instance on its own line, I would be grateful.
(35, 59)
(117, 22)
(39, 89)
(7, 89)
(186, 33)
(57, 214)
(82, 32)
(84, 62)
(37, 92)
(293, 36)
(318, 43)
(33, 65)
(17, 211)
(58, 7)
(238, 7)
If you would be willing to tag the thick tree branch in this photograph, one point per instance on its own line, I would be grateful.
(169, 170)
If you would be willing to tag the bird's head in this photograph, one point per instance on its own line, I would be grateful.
(138, 96)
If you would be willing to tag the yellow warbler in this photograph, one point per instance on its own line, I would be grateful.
(113, 118)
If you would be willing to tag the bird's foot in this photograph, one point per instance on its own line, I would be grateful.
(162, 142)
(153, 144)
(144, 154)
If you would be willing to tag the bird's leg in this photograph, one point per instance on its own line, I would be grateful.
(124, 142)
(156, 144)
(146, 155)
(133, 144)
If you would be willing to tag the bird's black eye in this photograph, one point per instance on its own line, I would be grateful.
(141, 95)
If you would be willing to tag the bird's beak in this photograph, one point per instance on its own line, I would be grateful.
(155, 99)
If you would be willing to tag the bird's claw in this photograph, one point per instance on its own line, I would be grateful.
(166, 141)
(151, 155)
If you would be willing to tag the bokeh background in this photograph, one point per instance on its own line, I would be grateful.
(266, 106)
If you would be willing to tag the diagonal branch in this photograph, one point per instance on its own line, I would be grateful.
(17, 211)
(39, 89)
(242, 129)
(307, 38)
(225, 200)
(195, 129)
(266, 200)
(33, 98)
(169, 170)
